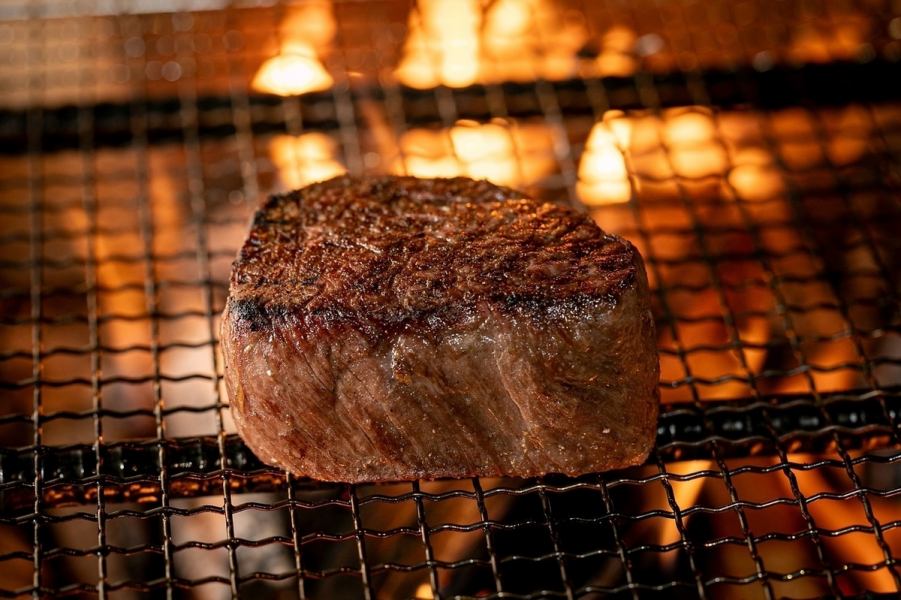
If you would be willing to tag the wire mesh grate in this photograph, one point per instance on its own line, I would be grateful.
(750, 150)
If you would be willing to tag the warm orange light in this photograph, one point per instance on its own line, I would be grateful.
(487, 151)
(495, 151)
(617, 56)
(693, 147)
(305, 158)
(305, 33)
(603, 178)
(293, 72)
(460, 42)
(471, 149)
(312, 21)
(842, 38)
(443, 44)
(754, 176)
(423, 592)
(508, 37)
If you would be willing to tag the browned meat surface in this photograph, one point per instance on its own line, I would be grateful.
(398, 328)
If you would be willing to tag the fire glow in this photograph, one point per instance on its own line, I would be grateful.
(460, 42)
(496, 151)
(305, 33)
(678, 175)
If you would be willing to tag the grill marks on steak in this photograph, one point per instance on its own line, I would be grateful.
(392, 249)
(399, 328)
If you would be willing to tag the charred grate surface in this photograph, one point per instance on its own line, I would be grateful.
(751, 150)
(728, 429)
(875, 81)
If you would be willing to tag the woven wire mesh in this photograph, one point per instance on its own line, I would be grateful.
(756, 169)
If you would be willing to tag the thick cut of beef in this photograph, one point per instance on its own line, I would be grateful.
(397, 328)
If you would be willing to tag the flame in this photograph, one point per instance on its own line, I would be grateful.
(443, 44)
(487, 151)
(685, 493)
(683, 142)
(508, 25)
(459, 42)
(721, 160)
(754, 176)
(834, 515)
(312, 21)
(691, 137)
(306, 32)
(495, 151)
(843, 37)
(617, 56)
(305, 158)
(603, 178)
(295, 71)
(423, 592)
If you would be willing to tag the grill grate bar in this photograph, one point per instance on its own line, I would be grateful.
(190, 121)
(789, 325)
(685, 542)
(684, 432)
(701, 97)
(735, 343)
(842, 187)
(296, 538)
(35, 251)
(489, 538)
(875, 81)
(90, 209)
(797, 349)
(555, 542)
(621, 550)
(365, 575)
(139, 120)
(426, 542)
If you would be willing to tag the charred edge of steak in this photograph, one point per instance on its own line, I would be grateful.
(375, 253)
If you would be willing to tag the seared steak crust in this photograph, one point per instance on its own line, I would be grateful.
(399, 328)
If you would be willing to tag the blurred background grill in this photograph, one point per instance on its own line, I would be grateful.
(751, 150)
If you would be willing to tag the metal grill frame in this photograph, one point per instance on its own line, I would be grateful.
(36, 478)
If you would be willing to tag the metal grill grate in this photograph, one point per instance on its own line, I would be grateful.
(751, 151)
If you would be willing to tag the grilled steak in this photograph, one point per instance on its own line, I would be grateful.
(397, 328)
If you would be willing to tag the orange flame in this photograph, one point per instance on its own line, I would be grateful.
(603, 178)
(692, 165)
(295, 71)
(443, 45)
(495, 151)
(617, 56)
(458, 42)
(305, 158)
(305, 33)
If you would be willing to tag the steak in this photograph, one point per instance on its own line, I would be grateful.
(396, 328)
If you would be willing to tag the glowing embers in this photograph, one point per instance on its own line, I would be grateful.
(459, 42)
(499, 151)
(690, 150)
(305, 35)
(724, 199)
(740, 504)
